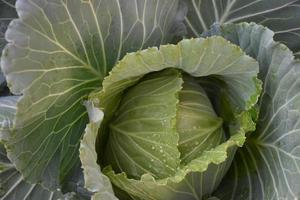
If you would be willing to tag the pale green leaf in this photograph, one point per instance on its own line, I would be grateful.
(95, 181)
(142, 134)
(58, 52)
(268, 167)
(198, 125)
(282, 16)
(196, 180)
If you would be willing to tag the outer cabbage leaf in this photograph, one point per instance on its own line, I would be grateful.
(268, 166)
(7, 13)
(282, 16)
(12, 185)
(58, 52)
(7, 114)
(197, 58)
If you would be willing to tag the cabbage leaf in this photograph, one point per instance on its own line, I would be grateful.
(59, 52)
(7, 13)
(268, 166)
(12, 185)
(281, 16)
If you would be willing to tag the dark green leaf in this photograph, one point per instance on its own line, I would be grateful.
(7, 13)
(58, 52)
(12, 185)
(282, 16)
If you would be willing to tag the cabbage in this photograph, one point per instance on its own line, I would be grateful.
(149, 99)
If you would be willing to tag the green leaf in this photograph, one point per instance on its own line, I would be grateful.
(95, 181)
(196, 180)
(7, 13)
(56, 60)
(268, 167)
(282, 16)
(12, 185)
(7, 113)
(198, 58)
(142, 134)
(198, 125)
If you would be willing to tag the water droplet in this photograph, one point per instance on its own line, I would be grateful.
(160, 147)
(152, 160)
(161, 151)
(153, 147)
